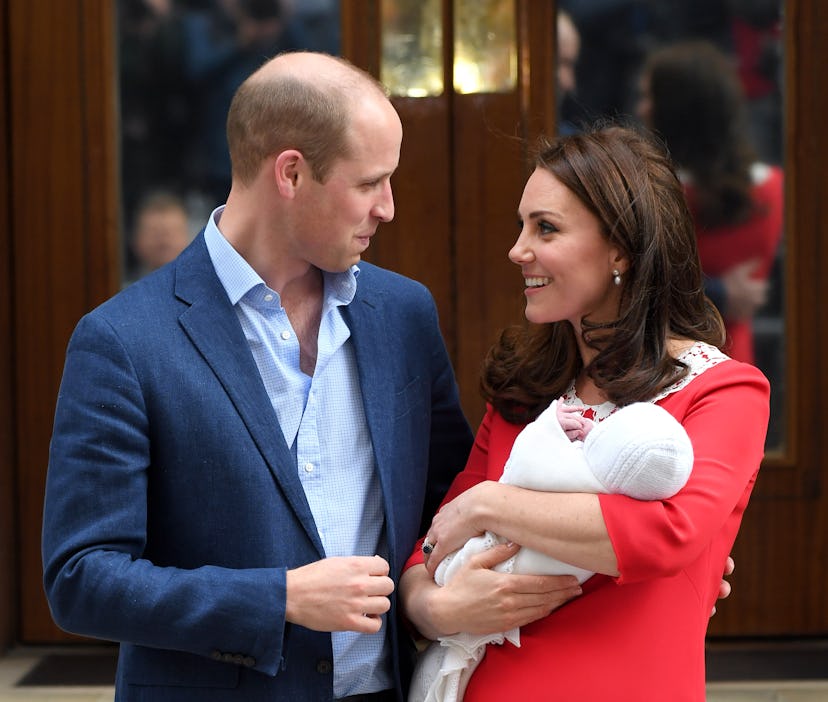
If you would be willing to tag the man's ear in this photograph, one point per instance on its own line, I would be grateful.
(289, 168)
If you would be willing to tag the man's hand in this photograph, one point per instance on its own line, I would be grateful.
(340, 594)
(724, 586)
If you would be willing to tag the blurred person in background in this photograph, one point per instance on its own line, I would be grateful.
(160, 232)
(690, 94)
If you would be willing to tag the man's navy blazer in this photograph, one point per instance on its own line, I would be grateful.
(173, 506)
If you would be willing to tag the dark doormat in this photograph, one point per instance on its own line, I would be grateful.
(803, 660)
(72, 669)
(788, 660)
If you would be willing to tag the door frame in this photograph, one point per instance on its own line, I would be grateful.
(58, 117)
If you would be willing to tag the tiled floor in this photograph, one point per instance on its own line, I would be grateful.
(18, 662)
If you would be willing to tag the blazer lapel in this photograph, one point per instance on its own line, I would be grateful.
(369, 336)
(211, 324)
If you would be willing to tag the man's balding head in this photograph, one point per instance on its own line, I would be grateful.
(298, 100)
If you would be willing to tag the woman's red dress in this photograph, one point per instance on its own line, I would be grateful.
(639, 636)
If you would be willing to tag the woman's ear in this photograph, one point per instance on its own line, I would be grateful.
(620, 261)
(287, 172)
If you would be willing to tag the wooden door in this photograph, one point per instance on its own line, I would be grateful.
(779, 584)
(8, 526)
(62, 179)
(456, 193)
(462, 169)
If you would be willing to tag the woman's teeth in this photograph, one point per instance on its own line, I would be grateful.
(536, 282)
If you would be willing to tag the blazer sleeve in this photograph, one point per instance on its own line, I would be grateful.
(95, 527)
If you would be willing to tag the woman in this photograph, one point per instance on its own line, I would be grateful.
(692, 97)
(617, 315)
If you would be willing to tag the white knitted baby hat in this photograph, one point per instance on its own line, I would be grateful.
(640, 451)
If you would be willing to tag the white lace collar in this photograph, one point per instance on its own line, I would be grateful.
(698, 358)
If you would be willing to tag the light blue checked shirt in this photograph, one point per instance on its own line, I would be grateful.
(323, 422)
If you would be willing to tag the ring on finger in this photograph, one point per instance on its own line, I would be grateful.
(428, 547)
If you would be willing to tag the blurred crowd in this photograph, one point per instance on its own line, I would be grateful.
(180, 64)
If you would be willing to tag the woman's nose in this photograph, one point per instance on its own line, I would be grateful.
(520, 253)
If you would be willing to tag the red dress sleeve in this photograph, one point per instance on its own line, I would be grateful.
(725, 413)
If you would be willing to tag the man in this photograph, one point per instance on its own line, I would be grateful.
(228, 423)
(247, 440)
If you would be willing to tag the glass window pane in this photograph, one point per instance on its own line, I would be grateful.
(180, 63)
(412, 47)
(485, 46)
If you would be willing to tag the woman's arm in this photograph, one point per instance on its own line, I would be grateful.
(567, 526)
(724, 412)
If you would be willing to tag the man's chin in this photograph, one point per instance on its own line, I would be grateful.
(341, 267)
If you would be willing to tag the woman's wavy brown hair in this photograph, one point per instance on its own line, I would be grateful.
(698, 108)
(624, 177)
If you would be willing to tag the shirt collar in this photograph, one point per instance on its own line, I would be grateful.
(239, 278)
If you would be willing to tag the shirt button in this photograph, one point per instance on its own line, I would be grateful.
(308, 467)
(324, 667)
(285, 335)
(268, 297)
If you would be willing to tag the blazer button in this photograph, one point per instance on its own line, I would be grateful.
(249, 662)
(324, 667)
(228, 657)
(216, 655)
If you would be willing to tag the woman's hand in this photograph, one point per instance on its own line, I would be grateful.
(455, 524)
(479, 600)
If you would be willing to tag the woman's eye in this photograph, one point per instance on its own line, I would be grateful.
(546, 228)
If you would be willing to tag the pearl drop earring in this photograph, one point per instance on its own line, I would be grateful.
(616, 276)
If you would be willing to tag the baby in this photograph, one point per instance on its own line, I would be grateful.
(640, 451)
